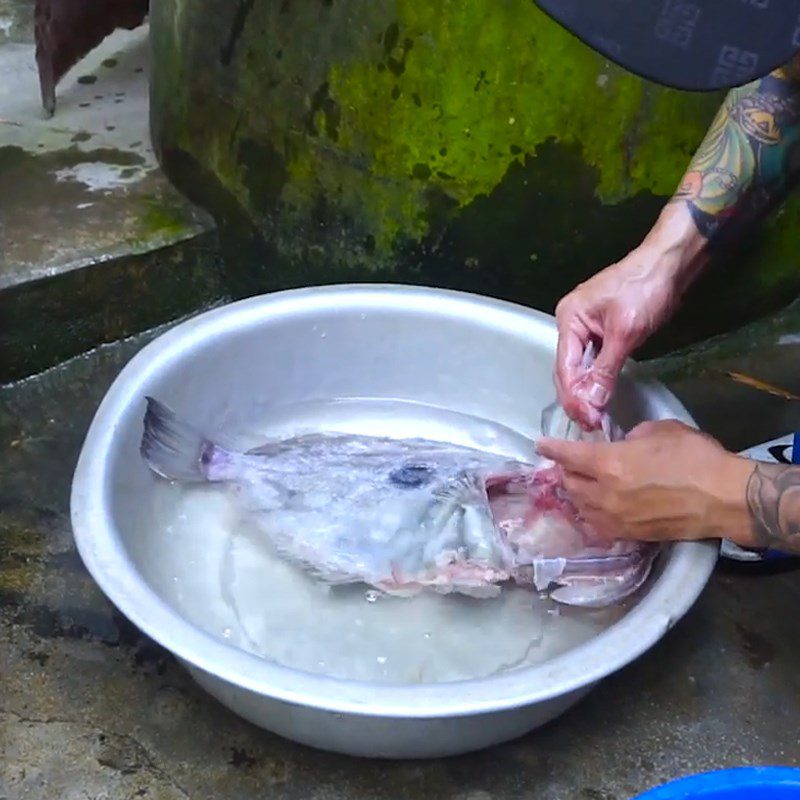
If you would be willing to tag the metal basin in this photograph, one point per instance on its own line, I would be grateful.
(455, 351)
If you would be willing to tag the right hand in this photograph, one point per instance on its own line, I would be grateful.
(618, 307)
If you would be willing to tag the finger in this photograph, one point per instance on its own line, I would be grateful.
(569, 351)
(598, 385)
(659, 427)
(590, 418)
(603, 525)
(582, 457)
(644, 429)
(573, 338)
(583, 491)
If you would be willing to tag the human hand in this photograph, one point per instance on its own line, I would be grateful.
(666, 481)
(620, 307)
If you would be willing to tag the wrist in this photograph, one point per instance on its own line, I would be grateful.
(675, 248)
(733, 520)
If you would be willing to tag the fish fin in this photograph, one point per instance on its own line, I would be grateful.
(599, 591)
(320, 572)
(171, 448)
(547, 571)
(330, 577)
(592, 593)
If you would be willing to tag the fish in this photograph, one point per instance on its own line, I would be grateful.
(403, 516)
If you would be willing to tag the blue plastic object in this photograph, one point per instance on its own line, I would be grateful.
(741, 783)
(777, 555)
(796, 448)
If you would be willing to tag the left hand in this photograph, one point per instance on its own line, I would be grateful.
(666, 481)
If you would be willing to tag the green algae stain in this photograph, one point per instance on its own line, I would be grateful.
(354, 145)
(429, 98)
(466, 87)
(159, 220)
(21, 555)
(778, 267)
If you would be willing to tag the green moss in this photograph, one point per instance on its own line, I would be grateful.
(160, 220)
(467, 87)
(21, 554)
(780, 252)
(12, 157)
(435, 142)
(477, 78)
(672, 125)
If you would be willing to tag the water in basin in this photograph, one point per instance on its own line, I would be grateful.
(225, 577)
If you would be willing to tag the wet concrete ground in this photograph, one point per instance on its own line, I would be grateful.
(767, 350)
(93, 237)
(65, 177)
(89, 708)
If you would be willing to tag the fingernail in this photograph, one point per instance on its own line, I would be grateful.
(597, 394)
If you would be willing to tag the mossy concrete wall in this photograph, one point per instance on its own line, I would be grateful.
(465, 143)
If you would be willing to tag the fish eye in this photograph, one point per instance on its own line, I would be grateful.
(412, 476)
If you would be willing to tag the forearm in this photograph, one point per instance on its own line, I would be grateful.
(746, 162)
(675, 248)
(773, 502)
(747, 159)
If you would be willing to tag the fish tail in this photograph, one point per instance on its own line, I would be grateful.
(174, 449)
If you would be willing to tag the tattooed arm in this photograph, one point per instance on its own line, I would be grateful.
(672, 484)
(773, 500)
(747, 160)
(749, 156)
(667, 481)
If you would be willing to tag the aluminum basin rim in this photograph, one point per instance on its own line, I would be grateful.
(104, 555)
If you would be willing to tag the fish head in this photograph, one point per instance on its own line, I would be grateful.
(554, 548)
(449, 541)
(488, 515)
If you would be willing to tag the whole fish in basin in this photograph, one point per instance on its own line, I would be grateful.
(407, 515)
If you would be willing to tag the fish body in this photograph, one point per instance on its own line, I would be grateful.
(409, 515)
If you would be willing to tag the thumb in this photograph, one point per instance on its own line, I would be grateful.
(597, 385)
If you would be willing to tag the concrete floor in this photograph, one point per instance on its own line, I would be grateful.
(93, 237)
(740, 416)
(90, 163)
(89, 708)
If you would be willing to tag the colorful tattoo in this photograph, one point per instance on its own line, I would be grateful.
(749, 156)
(773, 498)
